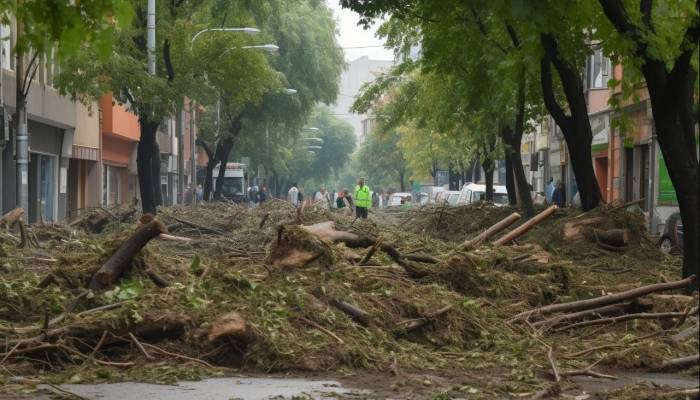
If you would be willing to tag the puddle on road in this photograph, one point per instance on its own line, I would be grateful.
(595, 385)
(213, 389)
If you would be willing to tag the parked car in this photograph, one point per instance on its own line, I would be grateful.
(672, 238)
(450, 196)
(395, 199)
(474, 192)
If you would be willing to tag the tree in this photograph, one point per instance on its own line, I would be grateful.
(381, 161)
(660, 39)
(458, 40)
(309, 61)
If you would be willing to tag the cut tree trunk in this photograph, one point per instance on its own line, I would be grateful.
(609, 299)
(612, 237)
(11, 218)
(499, 226)
(120, 261)
(526, 226)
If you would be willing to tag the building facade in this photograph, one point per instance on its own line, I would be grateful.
(357, 73)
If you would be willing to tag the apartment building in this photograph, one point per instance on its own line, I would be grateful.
(80, 155)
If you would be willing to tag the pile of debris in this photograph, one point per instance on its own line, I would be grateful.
(276, 288)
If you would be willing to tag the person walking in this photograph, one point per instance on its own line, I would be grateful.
(323, 198)
(363, 199)
(375, 199)
(549, 190)
(262, 194)
(293, 194)
(558, 196)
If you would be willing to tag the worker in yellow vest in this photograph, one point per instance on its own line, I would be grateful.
(363, 198)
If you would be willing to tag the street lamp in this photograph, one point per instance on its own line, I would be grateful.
(290, 91)
(313, 147)
(270, 48)
(248, 31)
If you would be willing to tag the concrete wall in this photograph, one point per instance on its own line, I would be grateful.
(44, 103)
(87, 126)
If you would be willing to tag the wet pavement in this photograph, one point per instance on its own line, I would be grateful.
(594, 385)
(214, 389)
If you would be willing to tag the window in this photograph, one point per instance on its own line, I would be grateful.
(111, 185)
(597, 70)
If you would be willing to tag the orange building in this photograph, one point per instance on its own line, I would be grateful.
(120, 133)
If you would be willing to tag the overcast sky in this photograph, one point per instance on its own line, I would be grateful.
(352, 35)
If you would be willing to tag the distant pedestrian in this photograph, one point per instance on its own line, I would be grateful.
(339, 200)
(322, 198)
(262, 194)
(549, 190)
(199, 193)
(293, 194)
(363, 199)
(375, 199)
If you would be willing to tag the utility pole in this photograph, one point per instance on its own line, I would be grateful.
(151, 36)
(22, 136)
(193, 151)
(180, 123)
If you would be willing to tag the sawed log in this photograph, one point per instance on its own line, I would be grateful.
(499, 226)
(115, 266)
(612, 237)
(526, 226)
(12, 217)
(608, 299)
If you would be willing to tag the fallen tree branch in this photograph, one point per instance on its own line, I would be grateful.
(198, 226)
(526, 226)
(140, 347)
(322, 329)
(357, 314)
(414, 324)
(494, 229)
(371, 251)
(608, 299)
(621, 318)
(679, 363)
(118, 263)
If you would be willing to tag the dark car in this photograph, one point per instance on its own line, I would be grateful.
(672, 238)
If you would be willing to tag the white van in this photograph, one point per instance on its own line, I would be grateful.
(475, 192)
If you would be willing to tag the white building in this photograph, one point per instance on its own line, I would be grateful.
(356, 74)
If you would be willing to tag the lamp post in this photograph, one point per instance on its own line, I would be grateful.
(248, 31)
(181, 126)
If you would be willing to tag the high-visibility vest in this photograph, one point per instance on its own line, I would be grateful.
(363, 196)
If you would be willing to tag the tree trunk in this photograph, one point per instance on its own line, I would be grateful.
(155, 170)
(144, 154)
(510, 182)
(487, 165)
(226, 147)
(683, 170)
(575, 127)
